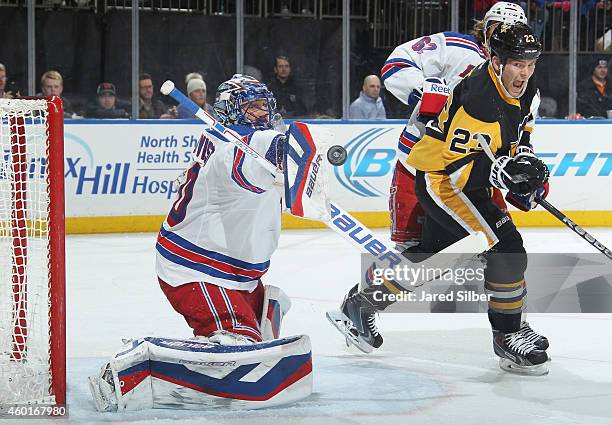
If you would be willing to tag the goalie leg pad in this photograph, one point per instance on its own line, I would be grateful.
(276, 304)
(194, 374)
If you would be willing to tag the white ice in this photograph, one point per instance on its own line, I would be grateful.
(432, 369)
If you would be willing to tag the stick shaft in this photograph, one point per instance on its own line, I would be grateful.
(575, 228)
(558, 214)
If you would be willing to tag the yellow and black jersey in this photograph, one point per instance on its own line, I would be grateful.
(477, 105)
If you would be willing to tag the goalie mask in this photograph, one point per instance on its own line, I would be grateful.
(243, 100)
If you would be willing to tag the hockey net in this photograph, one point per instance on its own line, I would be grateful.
(32, 312)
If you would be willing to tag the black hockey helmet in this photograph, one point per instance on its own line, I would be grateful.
(515, 41)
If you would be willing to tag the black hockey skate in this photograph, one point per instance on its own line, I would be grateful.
(356, 320)
(519, 355)
(538, 340)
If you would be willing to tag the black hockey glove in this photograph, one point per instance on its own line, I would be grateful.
(522, 174)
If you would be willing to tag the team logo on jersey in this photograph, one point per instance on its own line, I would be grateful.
(364, 163)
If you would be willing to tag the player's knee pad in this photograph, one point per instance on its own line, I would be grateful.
(275, 305)
(170, 373)
(407, 215)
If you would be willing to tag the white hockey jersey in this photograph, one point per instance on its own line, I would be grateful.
(225, 222)
(450, 56)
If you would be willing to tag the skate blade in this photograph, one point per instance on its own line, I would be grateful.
(340, 322)
(537, 370)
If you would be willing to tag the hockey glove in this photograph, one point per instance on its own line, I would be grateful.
(530, 201)
(435, 93)
(276, 151)
(520, 175)
(415, 96)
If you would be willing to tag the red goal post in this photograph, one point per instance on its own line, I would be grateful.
(32, 253)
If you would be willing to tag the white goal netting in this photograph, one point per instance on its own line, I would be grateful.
(24, 253)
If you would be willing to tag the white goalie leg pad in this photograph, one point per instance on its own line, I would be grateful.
(196, 374)
(276, 304)
(306, 170)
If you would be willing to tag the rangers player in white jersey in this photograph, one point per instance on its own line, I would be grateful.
(212, 251)
(221, 231)
(421, 73)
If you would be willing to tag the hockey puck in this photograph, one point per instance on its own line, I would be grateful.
(336, 155)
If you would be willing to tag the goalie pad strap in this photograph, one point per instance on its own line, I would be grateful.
(275, 305)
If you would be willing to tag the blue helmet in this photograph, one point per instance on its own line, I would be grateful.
(234, 97)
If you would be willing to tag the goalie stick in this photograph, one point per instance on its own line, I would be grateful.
(551, 208)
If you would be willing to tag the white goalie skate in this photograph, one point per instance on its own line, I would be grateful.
(103, 390)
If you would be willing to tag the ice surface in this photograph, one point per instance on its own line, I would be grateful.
(432, 369)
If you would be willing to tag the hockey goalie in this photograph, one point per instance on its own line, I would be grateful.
(212, 251)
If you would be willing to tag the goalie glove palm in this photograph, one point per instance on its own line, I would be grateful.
(521, 175)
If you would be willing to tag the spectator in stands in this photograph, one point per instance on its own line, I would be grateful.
(193, 75)
(149, 108)
(6, 93)
(288, 95)
(254, 72)
(369, 105)
(105, 106)
(593, 98)
(481, 7)
(196, 90)
(548, 107)
(52, 84)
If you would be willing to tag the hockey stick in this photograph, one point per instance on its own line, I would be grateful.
(340, 221)
(554, 211)
(576, 228)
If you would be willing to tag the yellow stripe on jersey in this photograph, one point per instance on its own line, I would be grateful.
(457, 205)
(462, 175)
(500, 90)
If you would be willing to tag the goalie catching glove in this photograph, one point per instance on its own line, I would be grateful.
(521, 175)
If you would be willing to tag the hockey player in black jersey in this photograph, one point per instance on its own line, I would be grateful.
(498, 101)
